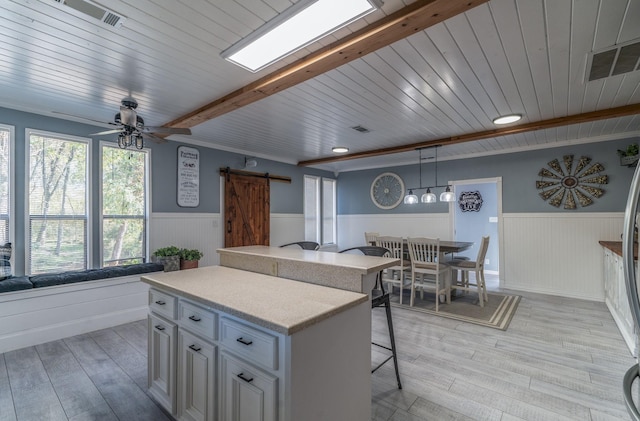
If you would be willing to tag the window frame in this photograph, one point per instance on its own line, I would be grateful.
(88, 193)
(147, 205)
(12, 187)
(319, 223)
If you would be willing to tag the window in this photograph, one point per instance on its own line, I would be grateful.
(320, 209)
(6, 190)
(58, 181)
(124, 202)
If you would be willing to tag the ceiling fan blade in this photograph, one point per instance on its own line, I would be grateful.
(167, 130)
(85, 118)
(107, 132)
(153, 138)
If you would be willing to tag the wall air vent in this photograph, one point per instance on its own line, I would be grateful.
(95, 11)
(623, 58)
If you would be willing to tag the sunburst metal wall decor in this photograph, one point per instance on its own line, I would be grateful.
(580, 183)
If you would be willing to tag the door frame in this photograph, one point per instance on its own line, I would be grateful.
(452, 226)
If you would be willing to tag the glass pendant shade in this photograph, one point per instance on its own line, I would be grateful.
(411, 198)
(447, 196)
(428, 197)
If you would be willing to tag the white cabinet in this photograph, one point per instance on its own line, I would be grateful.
(248, 393)
(197, 378)
(212, 361)
(615, 292)
(162, 361)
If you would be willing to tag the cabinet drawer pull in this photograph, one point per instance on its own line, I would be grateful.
(159, 327)
(243, 342)
(195, 348)
(241, 375)
(160, 302)
(194, 318)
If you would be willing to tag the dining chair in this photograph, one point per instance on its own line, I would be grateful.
(304, 245)
(370, 238)
(379, 298)
(394, 275)
(425, 264)
(466, 266)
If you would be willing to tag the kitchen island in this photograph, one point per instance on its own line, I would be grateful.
(229, 344)
(350, 272)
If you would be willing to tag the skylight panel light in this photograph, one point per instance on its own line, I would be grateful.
(295, 28)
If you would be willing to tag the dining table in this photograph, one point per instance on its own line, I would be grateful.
(446, 246)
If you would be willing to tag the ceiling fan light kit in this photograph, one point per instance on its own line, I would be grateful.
(428, 196)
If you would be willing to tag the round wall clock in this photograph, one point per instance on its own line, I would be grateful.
(571, 182)
(387, 190)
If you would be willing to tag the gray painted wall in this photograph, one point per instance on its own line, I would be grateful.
(518, 171)
(285, 198)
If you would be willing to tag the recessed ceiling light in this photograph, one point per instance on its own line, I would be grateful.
(506, 119)
(340, 149)
(298, 26)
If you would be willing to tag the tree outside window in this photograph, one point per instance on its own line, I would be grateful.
(58, 211)
(124, 205)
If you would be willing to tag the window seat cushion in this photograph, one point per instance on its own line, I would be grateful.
(50, 279)
(15, 283)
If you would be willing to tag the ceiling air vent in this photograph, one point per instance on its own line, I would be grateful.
(360, 129)
(95, 11)
(623, 58)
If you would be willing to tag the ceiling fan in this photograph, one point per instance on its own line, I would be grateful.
(132, 130)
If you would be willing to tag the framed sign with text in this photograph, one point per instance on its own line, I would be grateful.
(188, 177)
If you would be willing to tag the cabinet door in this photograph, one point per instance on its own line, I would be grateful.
(248, 394)
(162, 362)
(197, 378)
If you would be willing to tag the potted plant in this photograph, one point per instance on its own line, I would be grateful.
(629, 156)
(167, 256)
(189, 258)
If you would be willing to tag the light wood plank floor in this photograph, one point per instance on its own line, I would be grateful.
(560, 359)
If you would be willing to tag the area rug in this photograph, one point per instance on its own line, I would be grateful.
(497, 313)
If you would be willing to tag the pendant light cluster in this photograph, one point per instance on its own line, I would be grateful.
(429, 197)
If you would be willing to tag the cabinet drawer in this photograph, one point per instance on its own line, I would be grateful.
(162, 303)
(253, 344)
(197, 320)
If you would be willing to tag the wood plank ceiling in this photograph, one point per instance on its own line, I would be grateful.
(447, 81)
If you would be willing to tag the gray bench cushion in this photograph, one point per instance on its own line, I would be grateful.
(51, 279)
(16, 283)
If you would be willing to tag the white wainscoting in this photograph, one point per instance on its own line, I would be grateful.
(549, 253)
(558, 253)
(204, 232)
(286, 228)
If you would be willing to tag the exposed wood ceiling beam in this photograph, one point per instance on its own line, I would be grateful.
(411, 19)
(623, 111)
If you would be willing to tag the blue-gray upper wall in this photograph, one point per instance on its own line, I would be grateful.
(519, 172)
(285, 198)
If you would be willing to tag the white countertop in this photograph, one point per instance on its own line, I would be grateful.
(282, 305)
(362, 263)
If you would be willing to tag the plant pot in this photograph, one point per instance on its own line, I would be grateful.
(188, 264)
(629, 160)
(170, 263)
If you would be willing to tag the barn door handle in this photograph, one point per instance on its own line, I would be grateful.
(229, 226)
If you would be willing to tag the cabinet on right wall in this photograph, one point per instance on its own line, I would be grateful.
(615, 296)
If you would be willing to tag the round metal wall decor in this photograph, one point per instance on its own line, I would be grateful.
(470, 201)
(571, 183)
(387, 190)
